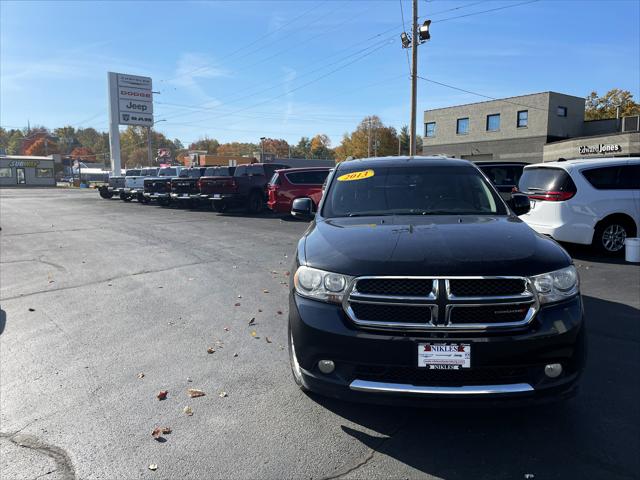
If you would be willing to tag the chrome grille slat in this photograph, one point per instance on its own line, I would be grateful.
(442, 304)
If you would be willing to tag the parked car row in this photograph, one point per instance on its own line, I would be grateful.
(252, 187)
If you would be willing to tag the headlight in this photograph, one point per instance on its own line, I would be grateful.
(320, 285)
(557, 285)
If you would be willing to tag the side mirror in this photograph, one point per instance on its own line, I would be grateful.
(302, 208)
(519, 203)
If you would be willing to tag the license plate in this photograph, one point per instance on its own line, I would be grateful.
(216, 195)
(444, 356)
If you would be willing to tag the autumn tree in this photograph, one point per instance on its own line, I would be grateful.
(210, 145)
(89, 137)
(279, 147)
(41, 147)
(302, 149)
(321, 147)
(83, 153)
(370, 138)
(237, 148)
(602, 107)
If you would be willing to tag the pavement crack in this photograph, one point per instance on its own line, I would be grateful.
(64, 466)
(369, 456)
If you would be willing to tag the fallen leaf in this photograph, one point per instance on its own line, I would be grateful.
(153, 467)
(239, 296)
(189, 379)
(235, 354)
(162, 394)
(254, 333)
(211, 350)
(193, 393)
(252, 321)
(265, 291)
(159, 431)
(267, 339)
(287, 273)
(259, 310)
(223, 394)
(279, 312)
(160, 287)
(273, 271)
(32, 309)
(226, 329)
(141, 375)
(237, 304)
(187, 410)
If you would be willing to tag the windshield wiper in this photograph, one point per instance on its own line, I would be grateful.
(369, 214)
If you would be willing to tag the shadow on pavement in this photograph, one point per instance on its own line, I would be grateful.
(3, 320)
(594, 435)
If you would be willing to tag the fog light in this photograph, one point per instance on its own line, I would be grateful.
(553, 370)
(326, 366)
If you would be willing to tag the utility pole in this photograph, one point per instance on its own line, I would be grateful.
(149, 153)
(414, 78)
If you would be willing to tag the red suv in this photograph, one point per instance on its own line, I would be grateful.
(291, 183)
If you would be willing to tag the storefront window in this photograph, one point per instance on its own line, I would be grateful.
(44, 172)
(5, 172)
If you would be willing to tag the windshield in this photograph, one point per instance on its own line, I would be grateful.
(167, 172)
(150, 172)
(132, 173)
(408, 190)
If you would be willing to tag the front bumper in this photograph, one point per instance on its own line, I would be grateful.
(381, 367)
(156, 195)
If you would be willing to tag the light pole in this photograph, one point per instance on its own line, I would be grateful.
(262, 139)
(149, 152)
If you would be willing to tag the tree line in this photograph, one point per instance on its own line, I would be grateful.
(370, 138)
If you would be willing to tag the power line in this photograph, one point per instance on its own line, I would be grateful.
(480, 94)
(404, 29)
(485, 11)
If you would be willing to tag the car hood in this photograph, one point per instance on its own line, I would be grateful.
(430, 245)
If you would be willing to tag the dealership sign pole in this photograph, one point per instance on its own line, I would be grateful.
(130, 103)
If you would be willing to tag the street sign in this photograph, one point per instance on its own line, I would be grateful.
(135, 106)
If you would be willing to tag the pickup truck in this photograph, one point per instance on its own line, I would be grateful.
(207, 181)
(185, 188)
(134, 184)
(159, 188)
(115, 186)
(416, 282)
(246, 188)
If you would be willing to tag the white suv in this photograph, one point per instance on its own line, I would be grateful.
(594, 201)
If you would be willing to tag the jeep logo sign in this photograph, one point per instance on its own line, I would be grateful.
(599, 149)
(135, 106)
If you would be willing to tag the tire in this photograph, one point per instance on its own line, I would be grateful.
(125, 197)
(140, 198)
(610, 234)
(255, 202)
(163, 202)
(293, 362)
(106, 194)
(219, 206)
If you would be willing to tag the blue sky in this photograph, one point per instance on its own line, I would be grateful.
(292, 68)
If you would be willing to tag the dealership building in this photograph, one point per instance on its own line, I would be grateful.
(27, 171)
(532, 128)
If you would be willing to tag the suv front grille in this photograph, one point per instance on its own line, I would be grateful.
(392, 313)
(402, 287)
(478, 287)
(437, 304)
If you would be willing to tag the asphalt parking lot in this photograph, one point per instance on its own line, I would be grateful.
(105, 303)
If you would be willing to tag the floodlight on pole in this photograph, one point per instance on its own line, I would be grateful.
(424, 31)
(405, 39)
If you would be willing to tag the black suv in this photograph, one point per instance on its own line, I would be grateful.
(504, 175)
(415, 281)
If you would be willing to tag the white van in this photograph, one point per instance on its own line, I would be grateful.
(590, 201)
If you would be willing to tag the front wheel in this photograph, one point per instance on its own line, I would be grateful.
(610, 235)
(104, 193)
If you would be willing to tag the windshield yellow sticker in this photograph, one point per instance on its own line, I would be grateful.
(361, 175)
